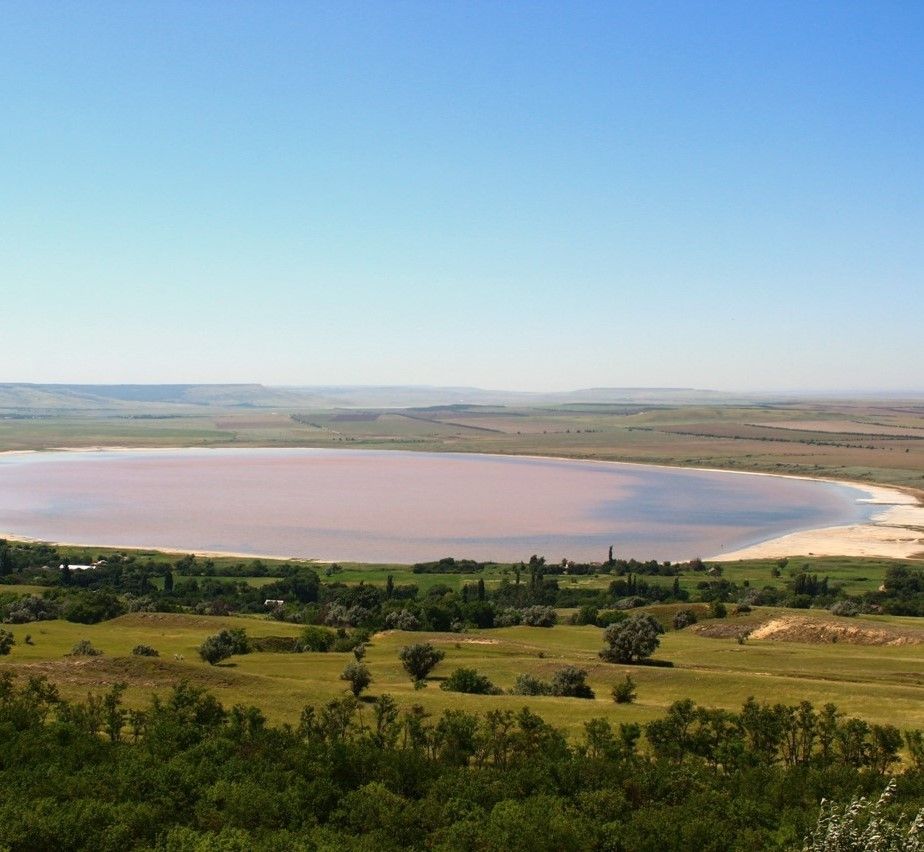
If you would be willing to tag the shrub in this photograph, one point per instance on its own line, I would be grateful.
(145, 651)
(684, 618)
(631, 640)
(84, 648)
(527, 684)
(32, 608)
(92, 607)
(847, 609)
(316, 639)
(585, 615)
(571, 682)
(862, 825)
(358, 677)
(224, 644)
(402, 619)
(611, 616)
(718, 610)
(420, 659)
(469, 681)
(6, 642)
(624, 692)
(539, 616)
(508, 617)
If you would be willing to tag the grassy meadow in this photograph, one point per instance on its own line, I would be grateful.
(880, 683)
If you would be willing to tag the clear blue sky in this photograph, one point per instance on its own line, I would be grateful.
(508, 195)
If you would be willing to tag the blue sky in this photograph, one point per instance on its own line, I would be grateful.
(508, 195)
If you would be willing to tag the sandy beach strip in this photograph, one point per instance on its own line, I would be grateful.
(897, 532)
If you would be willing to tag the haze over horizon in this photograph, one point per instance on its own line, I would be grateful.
(543, 198)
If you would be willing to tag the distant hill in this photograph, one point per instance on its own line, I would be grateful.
(59, 398)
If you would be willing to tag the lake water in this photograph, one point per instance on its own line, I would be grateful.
(386, 506)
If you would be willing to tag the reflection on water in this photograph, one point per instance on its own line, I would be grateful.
(383, 506)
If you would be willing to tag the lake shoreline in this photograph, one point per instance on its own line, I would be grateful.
(896, 532)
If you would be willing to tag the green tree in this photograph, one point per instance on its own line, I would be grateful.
(571, 682)
(624, 691)
(358, 677)
(6, 642)
(226, 643)
(631, 640)
(469, 681)
(420, 659)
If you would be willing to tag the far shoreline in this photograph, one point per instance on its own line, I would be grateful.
(895, 533)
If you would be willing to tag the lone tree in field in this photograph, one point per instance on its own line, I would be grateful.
(224, 644)
(631, 640)
(358, 677)
(420, 659)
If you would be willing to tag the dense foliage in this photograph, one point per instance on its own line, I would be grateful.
(186, 773)
(528, 593)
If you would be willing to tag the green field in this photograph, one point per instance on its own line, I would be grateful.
(881, 683)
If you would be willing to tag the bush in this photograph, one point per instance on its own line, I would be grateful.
(862, 825)
(631, 640)
(224, 644)
(402, 620)
(420, 659)
(624, 691)
(527, 684)
(358, 677)
(684, 618)
(585, 615)
(145, 651)
(847, 609)
(718, 610)
(316, 639)
(508, 617)
(469, 681)
(92, 607)
(571, 682)
(539, 616)
(32, 608)
(6, 642)
(611, 616)
(84, 648)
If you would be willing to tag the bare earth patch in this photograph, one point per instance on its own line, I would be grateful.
(811, 630)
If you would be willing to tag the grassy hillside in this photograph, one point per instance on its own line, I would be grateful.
(882, 683)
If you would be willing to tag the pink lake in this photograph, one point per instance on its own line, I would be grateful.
(385, 506)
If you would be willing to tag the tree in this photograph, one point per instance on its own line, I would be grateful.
(357, 675)
(168, 581)
(624, 692)
(469, 681)
(224, 644)
(631, 640)
(420, 659)
(684, 618)
(6, 642)
(571, 682)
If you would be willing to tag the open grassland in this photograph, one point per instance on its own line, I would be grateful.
(866, 441)
(880, 682)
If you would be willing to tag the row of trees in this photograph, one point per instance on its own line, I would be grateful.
(187, 773)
